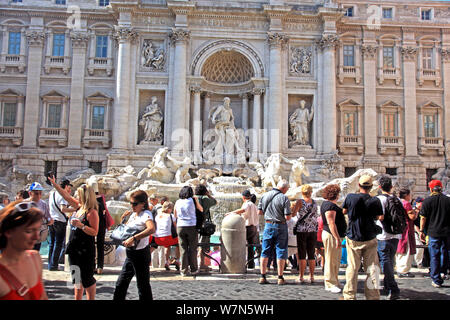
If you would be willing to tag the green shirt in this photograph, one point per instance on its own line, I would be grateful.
(206, 203)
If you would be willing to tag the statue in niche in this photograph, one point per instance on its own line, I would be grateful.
(151, 57)
(151, 122)
(298, 123)
(300, 61)
(229, 142)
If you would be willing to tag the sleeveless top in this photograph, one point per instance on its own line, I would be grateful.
(34, 293)
(82, 243)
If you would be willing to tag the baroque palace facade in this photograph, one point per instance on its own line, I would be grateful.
(101, 84)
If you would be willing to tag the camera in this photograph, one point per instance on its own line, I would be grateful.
(47, 175)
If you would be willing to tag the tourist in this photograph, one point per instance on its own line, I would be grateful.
(435, 223)
(5, 201)
(407, 245)
(22, 195)
(207, 201)
(249, 212)
(137, 250)
(60, 213)
(102, 226)
(163, 234)
(292, 241)
(277, 210)
(319, 244)
(334, 228)
(154, 204)
(186, 228)
(36, 197)
(20, 266)
(307, 214)
(387, 243)
(419, 256)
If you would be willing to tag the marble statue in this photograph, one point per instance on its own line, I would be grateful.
(298, 168)
(151, 57)
(182, 175)
(151, 122)
(167, 169)
(229, 141)
(298, 123)
(271, 172)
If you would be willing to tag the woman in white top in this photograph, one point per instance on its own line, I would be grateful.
(163, 235)
(187, 232)
(138, 252)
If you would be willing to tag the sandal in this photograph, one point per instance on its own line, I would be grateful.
(300, 280)
(167, 267)
(177, 266)
(311, 279)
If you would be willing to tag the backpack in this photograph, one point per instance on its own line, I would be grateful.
(394, 216)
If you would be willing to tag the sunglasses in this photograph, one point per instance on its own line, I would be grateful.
(134, 203)
(22, 207)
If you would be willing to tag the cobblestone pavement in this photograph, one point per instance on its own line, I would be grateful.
(169, 285)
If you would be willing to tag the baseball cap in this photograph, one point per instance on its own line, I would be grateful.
(246, 194)
(36, 186)
(365, 180)
(65, 183)
(435, 183)
(153, 197)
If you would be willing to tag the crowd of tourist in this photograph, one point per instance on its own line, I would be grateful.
(376, 234)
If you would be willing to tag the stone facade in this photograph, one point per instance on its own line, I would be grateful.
(75, 80)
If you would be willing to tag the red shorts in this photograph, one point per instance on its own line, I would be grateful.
(164, 241)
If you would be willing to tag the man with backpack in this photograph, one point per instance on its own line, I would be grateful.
(435, 223)
(392, 223)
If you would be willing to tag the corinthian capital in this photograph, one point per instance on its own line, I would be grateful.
(35, 38)
(122, 33)
(369, 51)
(409, 53)
(276, 39)
(79, 39)
(257, 91)
(328, 41)
(179, 35)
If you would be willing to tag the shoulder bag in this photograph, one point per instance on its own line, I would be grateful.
(56, 205)
(173, 229)
(124, 232)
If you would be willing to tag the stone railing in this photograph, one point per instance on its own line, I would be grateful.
(350, 142)
(386, 143)
(49, 135)
(12, 134)
(56, 62)
(429, 75)
(95, 136)
(349, 72)
(427, 144)
(105, 64)
(389, 73)
(12, 60)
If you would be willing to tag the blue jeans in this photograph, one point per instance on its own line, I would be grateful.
(56, 240)
(438, 248)
(386, 251)
(275, 235)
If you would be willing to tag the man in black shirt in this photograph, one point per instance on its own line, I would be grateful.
(361, 240)
(435, 222)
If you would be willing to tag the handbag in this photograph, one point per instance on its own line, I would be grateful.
(173, 229)
(208, 228)
(124, 232)
(109, 220)
(21, 289)
(294, 231)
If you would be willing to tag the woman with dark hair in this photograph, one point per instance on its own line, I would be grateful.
(20, 266)
(138, 251)
(187, 232)
(334, 229)
(206, 201)
(406, 248)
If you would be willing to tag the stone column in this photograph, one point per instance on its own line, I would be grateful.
(31, 121)
(370, 103)
(445, 52)
(328, 45)
(75, 128)
(256, 132)
(125, 36)
(409, 91)
(180, 138)
(196, 126)
(206, 108)
(244, 97)
(275, 121)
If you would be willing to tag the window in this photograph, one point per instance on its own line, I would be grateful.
(429, 125)
(14, 43)
(388, 57)
(426, 14)
(54, 116)
(430, 173)
(349, 56)
(387, 13)
(427, 58)
(101, 50)
(60, 1)
(58, 44)
(390, 125)
(350, 124)
(391, 171)
(15, 1)
(98, 117)
(349, 171)
(96, 166)
(103, 3)
(9, 114)
(349, 12)
(51, 167)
